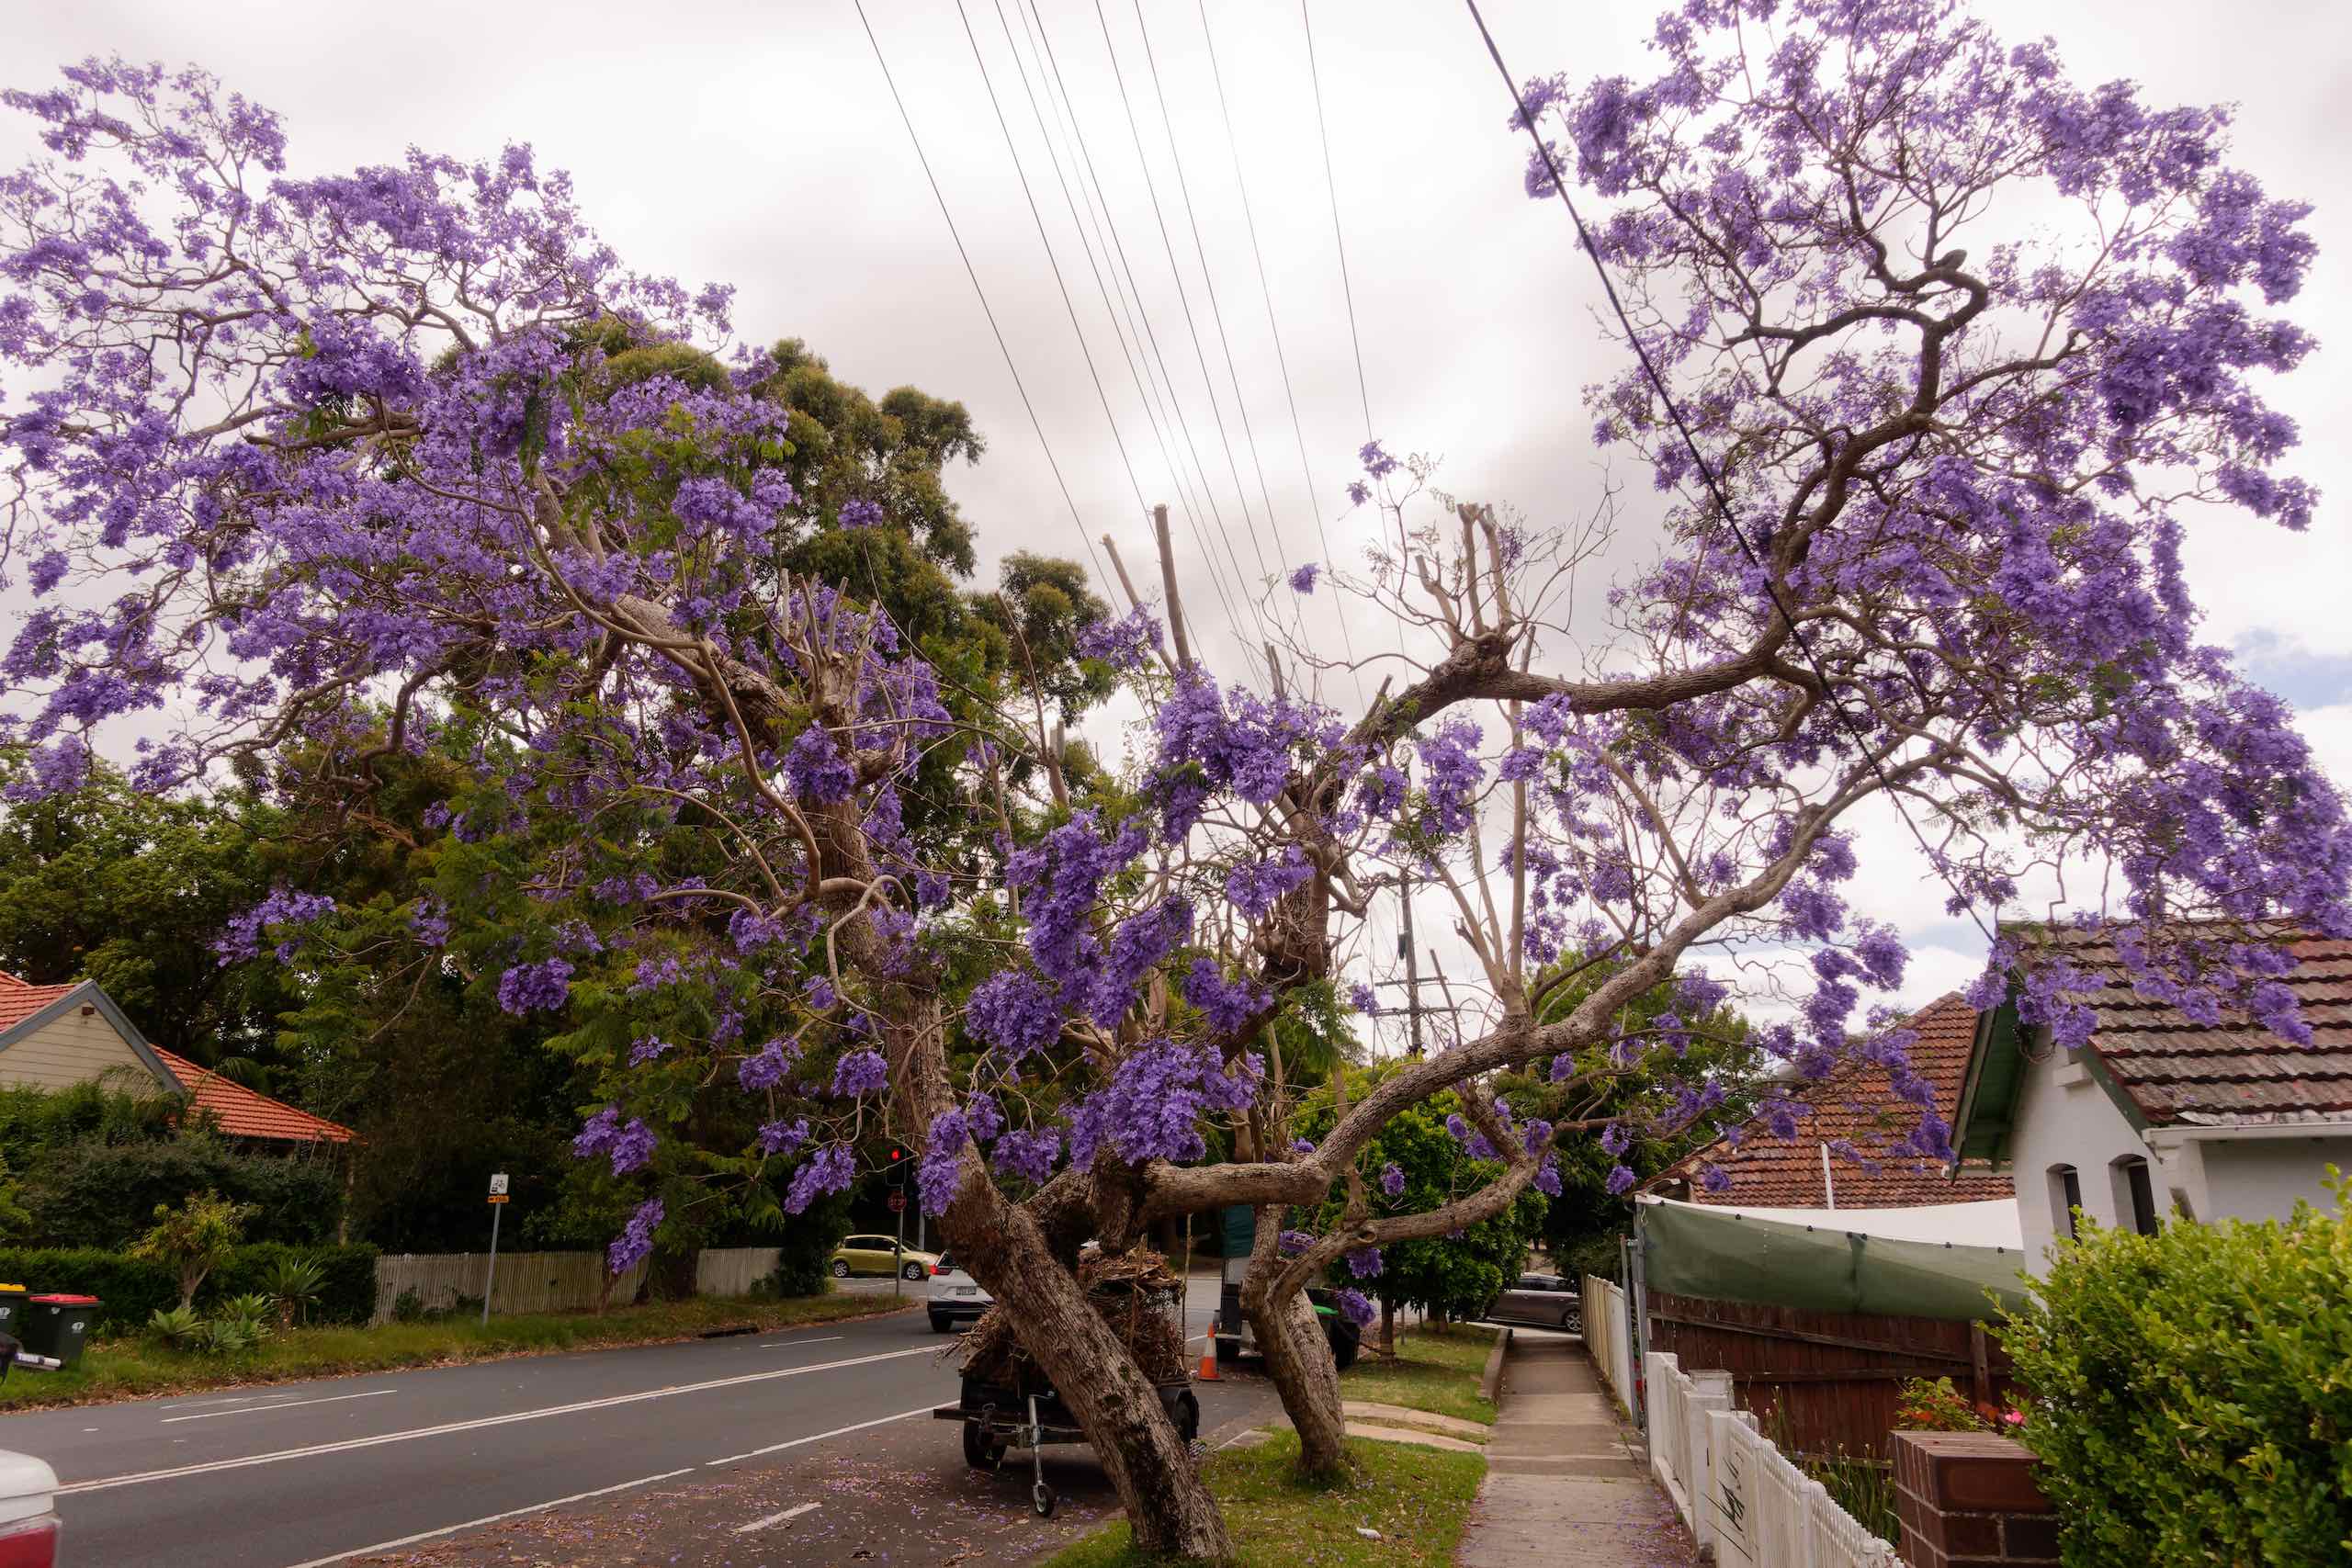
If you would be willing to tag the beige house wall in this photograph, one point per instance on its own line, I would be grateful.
(77, 1047)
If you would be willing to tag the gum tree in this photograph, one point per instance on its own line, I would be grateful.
(308, 472)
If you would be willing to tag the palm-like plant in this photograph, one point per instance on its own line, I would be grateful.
(295, 1284)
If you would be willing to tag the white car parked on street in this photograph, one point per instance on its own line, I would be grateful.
(28, 1512)
(956, 1296)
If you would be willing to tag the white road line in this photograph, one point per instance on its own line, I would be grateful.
(485, 1519)
(820, 1437)
(788, 1344)
(348, 1444)
(282, 1405)
(778, 1519)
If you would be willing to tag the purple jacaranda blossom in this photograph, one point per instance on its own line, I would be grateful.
(1291, 1243)
(816, 770)
(783, 1137)
(535, 987)
(1392, 1180)
(1354, 1305)
(940, 1172)
(1127, 644)
(1303, 580)
(1228, 1005)
(1621, 1180)
(1028, 1154)
(645, 1050)
(1254, 888)
(860, 513)
(1014, 1011)
(1363, 1262)
(859, 1073)
(1360, 998)
(766, 1068)
(635, 1244)
(1714, 1178)
(830, 1170)
(1615, 1139)
(283, 906)
(1547, 1177)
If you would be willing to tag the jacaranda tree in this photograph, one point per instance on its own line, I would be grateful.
(335, 467)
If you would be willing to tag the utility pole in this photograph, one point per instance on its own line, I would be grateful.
(1413, 981)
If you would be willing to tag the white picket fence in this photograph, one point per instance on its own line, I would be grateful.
(550, 1282)
(1738, 1493)
(1609, 1337)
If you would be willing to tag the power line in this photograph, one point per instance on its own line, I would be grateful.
(1146, 391)
(1192, 327)
(1706, 469)
(1152, 335)
(1208, 280)
(1346, 289)
(970, 272)
(1299, 431)
(1142, 507)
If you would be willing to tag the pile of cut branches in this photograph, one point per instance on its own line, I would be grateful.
(1135, 1293)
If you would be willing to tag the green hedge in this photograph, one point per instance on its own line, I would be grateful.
(130, 1290)
(2191, 1400)
(93, 1193)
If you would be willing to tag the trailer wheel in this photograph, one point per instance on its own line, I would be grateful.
(978, 1452)
(1041, 1497)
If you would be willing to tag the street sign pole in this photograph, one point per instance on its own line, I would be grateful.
(899, 1253)
(497, 1209)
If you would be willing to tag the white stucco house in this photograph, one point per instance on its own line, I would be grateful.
(2160, 1112)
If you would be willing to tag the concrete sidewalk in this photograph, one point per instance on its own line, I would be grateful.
(1566, 1480)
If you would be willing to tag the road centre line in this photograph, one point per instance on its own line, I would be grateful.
(281, 1405)
(349, 1444)
(789, 1344)
(778, 1519)
(486, 1520)
(820, 1437)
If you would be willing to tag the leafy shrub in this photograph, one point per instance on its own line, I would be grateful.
(194, 1239)
(1933, 1404)
(294, 1283)
(2190, 1403)
(131, 1291)
(805, 1247)
(407, 1306)
(231, 1336)
(178, 1327)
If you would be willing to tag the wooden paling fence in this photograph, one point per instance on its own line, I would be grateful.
(549, 1282)
(1826, 1383)
(1609, 1340)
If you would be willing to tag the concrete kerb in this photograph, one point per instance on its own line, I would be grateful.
(1490, 1387)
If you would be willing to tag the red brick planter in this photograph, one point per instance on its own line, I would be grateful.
(1968, 1500)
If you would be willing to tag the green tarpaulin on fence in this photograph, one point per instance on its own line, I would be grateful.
(1690, 1250)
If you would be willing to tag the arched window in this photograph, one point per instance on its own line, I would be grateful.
(2136, 1194)
(2065, 1201)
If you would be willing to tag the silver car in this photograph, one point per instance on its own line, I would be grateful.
(28, 1512)
(1545, 1300)
(956, 1296)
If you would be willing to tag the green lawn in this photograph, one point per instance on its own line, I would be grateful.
(129, 1366)
(1434, 1369)
(1417, 1498)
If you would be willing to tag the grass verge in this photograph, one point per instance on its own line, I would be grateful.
(1434, 1369)
(131, 1367)
(1417, 1498)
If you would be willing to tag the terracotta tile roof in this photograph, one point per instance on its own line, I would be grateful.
(19, 1001)
(2233, 1072)
(1859, 1104)
(244, 1115)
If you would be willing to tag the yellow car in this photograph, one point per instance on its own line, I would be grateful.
(883, 1255)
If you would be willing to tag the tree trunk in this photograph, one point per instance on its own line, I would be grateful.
(1168, 1506)
(1387, 1327)
(1298, 1357)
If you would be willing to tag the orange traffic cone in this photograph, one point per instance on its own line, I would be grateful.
(1208, 1363)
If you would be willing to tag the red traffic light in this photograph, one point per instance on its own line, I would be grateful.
(897, 1154)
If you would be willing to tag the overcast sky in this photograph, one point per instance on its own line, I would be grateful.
(757, 145)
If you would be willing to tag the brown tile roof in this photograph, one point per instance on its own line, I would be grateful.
(241, 1113)
(1860, 1105)
(2232, 1072)
(19, 1001)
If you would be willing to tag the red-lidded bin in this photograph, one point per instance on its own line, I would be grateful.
(57, 1327)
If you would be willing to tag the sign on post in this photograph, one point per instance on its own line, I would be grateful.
(897, 1202)
(490, 1278)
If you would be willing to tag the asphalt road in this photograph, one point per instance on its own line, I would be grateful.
(401, 1466)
